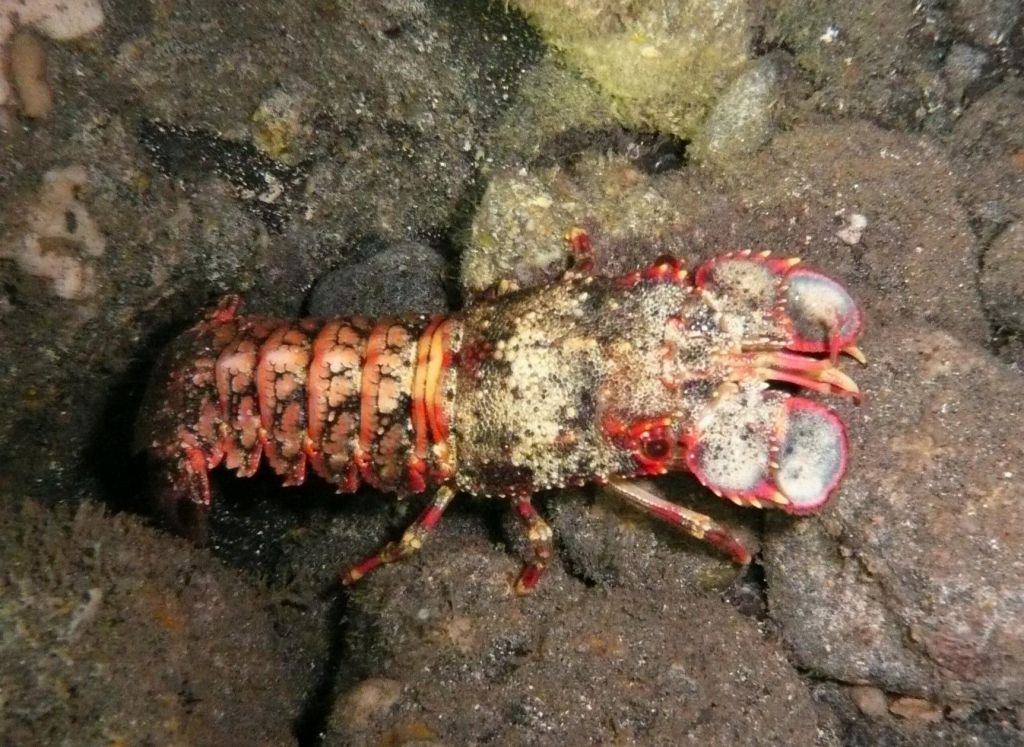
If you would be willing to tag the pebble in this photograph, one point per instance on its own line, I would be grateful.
(916, 709)
(853, 231)
(870, 700)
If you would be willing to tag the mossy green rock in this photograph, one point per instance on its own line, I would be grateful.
(663, 63)
(519, 231)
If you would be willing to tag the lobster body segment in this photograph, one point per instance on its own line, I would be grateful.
(587, 379)
(355, 400)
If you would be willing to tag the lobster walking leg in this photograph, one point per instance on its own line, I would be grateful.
(539, 535)
(695, 524)
(412, 540)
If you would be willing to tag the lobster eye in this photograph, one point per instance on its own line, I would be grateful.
(656, 448)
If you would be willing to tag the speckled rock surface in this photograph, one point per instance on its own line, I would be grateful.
(989, 157)
(989, 150)
(368, 286)
(745, 116)
(1002, 278)
(896, 64)
(911, 581)
(93, 652)
(566, 665)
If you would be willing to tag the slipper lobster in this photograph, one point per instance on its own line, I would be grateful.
(588, 379)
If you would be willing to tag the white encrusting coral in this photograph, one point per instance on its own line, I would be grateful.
(60, 234)
(55, 19)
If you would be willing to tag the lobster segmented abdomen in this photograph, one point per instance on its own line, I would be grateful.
(334, 395)
(358, 401)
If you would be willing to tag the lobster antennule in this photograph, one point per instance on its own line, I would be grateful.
(823, 316)
(817, 374)
(760, 448)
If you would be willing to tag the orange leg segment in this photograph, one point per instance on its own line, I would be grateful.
(538, 534)
(695, 524)
(411, 541)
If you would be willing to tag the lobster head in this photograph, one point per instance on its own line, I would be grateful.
(748, 328)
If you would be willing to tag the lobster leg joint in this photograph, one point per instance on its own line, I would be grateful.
(539, 535)
(411, 541)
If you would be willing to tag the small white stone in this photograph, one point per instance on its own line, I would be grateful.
(853, 231)
(830, 35)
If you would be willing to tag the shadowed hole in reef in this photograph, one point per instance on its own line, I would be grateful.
(123, 476)
(543, 503)
(1004, 342)
(749, 592)
(652, 152)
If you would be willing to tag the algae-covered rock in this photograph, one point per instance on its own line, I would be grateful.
(113, 633)
(280, 126)
(662, 62)
(553, 101)
(520, 227)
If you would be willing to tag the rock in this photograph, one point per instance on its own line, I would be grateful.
(1002, 279)
(519, 230)
(406, 277)
(368, 701)
(916, 709)
(281, 126)
(989, 23)
(662, 63)
(56, 19)
(378, 122)
(847, 722)
(870, 700)
(926, 516)
(566, 664)
(744, 117)
(61, 240)
(884, 62)
(852, 232)
(966, 69)
(988, 147)
(554, 104)
(89, 602)
(605, 542)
